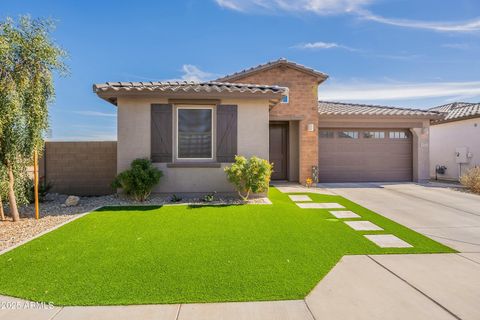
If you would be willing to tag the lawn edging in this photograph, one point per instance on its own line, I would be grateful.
(38, 235)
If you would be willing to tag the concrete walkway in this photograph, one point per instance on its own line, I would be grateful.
(417, 286)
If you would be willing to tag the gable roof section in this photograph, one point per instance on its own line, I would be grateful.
(329, 108)
(112, 88)
(272, 64)
(457, 111)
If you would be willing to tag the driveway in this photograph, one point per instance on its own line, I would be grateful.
(437, 286)
(447, 216)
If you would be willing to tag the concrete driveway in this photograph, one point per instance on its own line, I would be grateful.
(447, 216)
(437, 286)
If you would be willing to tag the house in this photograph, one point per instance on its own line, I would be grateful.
(455, 140)
(191, 131)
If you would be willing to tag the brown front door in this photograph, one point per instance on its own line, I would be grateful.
(278, 150)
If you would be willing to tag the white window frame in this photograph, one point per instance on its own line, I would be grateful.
(373, 132)
(201, 107)
(396, 135)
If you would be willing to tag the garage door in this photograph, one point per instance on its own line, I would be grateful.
(363, 155)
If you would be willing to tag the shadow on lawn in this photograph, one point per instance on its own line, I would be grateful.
(199, 206)
(132, 208)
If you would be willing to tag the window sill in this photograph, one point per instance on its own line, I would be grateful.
(194, 165)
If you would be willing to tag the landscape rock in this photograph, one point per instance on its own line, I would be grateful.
(72, 201)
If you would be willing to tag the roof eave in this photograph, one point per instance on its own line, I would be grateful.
(442, 121)
(112, 95)
(379, 116)
(321, 77)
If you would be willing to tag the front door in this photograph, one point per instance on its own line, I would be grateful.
(279, 150)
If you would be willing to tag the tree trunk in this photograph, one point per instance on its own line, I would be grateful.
(2, 214)
(11, 196)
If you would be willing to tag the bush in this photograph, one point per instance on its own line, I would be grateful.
(139, 180)
(43, 189)
(249, 176)
(471, 179)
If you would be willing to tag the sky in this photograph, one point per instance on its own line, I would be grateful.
(405, 53)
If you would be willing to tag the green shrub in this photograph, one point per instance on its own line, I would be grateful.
(209, 197)
(43, 189)
(249, 176)
(175, 198)
(471, 179)
(139, 180)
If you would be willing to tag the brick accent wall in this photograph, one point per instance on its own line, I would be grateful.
(303, 101)
(80, 168)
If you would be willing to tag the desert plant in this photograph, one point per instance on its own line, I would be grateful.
(471, 179)
(43, 189)
(139, 180)
(175, 198)
(249, 176)
(209, 197)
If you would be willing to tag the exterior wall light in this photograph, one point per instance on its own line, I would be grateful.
(311, 127)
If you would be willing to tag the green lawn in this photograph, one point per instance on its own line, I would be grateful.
(179, 254)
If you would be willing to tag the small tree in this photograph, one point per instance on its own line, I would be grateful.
(28, 58)
(249, 176)
(471, 179)
(139, 180)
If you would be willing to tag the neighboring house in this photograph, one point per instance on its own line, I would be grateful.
(455, 139)
(191, 131)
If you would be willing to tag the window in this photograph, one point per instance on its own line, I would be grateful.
(326, 134)
(348, 134)
(285, 98)
(374, 135)
(398, 135)
(194, 133)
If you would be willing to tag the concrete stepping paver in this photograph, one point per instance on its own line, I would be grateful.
(387, 241)
(299, 197)
(319, 205)
(344, 214)
(278, 310)
(363, 226)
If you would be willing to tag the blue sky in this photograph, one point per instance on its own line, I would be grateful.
(396, 52)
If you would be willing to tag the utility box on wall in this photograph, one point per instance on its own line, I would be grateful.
(461, 155)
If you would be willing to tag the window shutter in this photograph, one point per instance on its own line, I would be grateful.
(161, 133)
(226, 133)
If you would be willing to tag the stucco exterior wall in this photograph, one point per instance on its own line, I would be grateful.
(445, 138)
(134, 142)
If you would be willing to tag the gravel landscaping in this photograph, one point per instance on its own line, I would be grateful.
(54, 212)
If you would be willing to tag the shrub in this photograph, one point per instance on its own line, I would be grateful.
(209, 197)
(249, 176)
(175, 198)
(139, 180)
(43, 189)
(471, 179)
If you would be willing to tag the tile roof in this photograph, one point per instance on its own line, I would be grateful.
(341, 109)
(282, 61)
(457, 111)
(187, 86)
